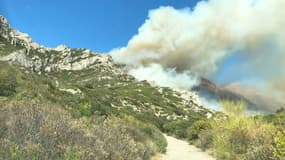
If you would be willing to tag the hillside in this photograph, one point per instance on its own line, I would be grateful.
(83, 84)
(88, 77)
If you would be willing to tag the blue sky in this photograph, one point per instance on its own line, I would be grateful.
(100, 25)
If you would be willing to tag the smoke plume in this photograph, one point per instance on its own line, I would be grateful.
(198, 40)
(154, 73)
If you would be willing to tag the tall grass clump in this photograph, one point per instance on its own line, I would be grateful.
(238, 136)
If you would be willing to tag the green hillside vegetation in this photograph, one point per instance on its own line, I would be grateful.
(102, 93)
(8, 81)
(111, 117)
(25, 97)
(277, 118)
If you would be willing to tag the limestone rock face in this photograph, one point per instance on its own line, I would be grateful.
(4, 27)
(41, 59)
(16, 37)
(55, 61)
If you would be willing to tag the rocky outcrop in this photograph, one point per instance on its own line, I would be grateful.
(20, 57)
(84, 61)
(4, 27)
(16, 37)
(59, 61)
(41, 59)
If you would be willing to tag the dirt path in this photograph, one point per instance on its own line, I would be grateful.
(181, 150)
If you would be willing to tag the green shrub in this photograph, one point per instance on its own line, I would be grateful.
(279, 145)
(243, 137)
(194, 131)
(8, 81)
(240, 137)
(277, 118)
(149, 131)
(205, 139)
(85, 109)
(177, 128)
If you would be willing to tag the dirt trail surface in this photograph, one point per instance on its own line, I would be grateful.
(181, 150)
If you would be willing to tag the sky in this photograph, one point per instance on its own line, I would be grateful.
(100, 25)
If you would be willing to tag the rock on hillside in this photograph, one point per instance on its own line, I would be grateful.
(41, 60)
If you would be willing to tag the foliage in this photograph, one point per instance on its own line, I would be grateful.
(197, 127)
(236, 136)
(243, 138)
(104, 92)
(177, 128)
(149, 130)
(99, 100)
(233, 108)
(45, 131)
(205, 139)
(279, 145)
(277, 118)
(8, 81)
(85, 109)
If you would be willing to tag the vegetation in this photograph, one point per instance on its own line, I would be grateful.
(236, 136)
(243, 138)
(279, 145)
(8, 81)
(46, 131)
(35, 124)
(197, 128)
(277, 118)
(7, 48)
(112, 117)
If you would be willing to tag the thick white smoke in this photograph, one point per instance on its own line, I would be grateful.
(154, 73)
(199, 40)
